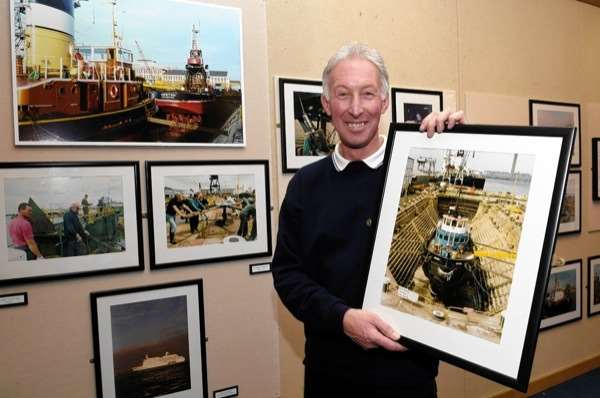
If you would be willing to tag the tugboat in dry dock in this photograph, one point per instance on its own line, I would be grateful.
(67, 92)
(188, 104)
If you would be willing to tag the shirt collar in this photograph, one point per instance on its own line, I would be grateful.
(374, 161)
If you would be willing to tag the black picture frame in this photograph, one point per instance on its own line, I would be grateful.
(596, 168)
(128, 323)
(422, 102)
(13, 299)
(300, 108)
(536, 105)
(205, 245)
(593, 286)
(437, 328)
(571, 222)
(557, 314)
(112, 220)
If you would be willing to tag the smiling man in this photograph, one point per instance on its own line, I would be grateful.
(324, 241)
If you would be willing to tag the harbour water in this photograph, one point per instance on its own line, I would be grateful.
(153, 382)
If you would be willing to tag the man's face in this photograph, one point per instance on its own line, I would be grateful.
(356, 103)
(27, 212)
(75, 209)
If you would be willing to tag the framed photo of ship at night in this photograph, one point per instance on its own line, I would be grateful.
(558, 114)
(93, 74)
(63, 220)
(593, 285)
(149, 341)
(570, 213)
(562, 301)
(207, 211)
(307, 134)
(412, 106)
(465, 234)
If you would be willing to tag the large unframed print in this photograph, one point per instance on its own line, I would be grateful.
(149, 341)
(558, 114)
(465, 233)
(307, 133)
(112, 73)
(69, 219)
(204, 211)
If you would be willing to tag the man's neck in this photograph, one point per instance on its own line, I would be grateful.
(353, 154)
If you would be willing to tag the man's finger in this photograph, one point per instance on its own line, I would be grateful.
(387, 343)
(385, 328)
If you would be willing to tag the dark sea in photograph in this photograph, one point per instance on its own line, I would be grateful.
(153, 382)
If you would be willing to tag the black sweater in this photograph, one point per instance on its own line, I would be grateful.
(320, 266)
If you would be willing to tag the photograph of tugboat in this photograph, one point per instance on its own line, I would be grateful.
(69, 216)
(456, 237)
(95, 72)
(562, 300)
(210, 209)
(150, 347)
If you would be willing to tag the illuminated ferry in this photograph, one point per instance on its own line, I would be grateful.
(159, 362)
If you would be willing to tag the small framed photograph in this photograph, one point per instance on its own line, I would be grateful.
(307, 133)
(558, 114)
(562, 301)
(412, 106)
(593, 285)
(464, 239)
(87, 74)
(596, 168)
(149, 341)
(570, 213)
(207, 211)
(71, 219)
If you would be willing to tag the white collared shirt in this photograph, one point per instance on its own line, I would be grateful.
(374, 161)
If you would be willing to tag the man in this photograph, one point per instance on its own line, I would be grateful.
(85, 204)
(324, 242)
(248, 216)
(175, 207)
(74, 232)
(21, 232)
(196, 206)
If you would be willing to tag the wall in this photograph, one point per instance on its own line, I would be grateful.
(47, 345)
(494, 55)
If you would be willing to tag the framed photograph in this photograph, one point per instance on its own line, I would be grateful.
(562, 301)
(94, 74)
(596, 168)
(411, 106)
(149, 341)
(570, 213)
(593, 285)
(558, 114)
(307, 133)
(462, 252)
(71, 219)
(207, 211)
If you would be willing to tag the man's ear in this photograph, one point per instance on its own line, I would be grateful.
(326, 105)
(386, 103)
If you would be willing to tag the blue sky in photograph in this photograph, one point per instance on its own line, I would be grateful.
(163, 28)
(60, 192)
(148, 322)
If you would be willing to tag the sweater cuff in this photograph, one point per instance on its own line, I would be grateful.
(339, 310)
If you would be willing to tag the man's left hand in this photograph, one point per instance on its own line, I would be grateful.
(436, 122)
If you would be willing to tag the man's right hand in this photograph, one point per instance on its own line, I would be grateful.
(368, 330)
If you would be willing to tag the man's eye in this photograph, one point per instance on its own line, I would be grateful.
(342, 95)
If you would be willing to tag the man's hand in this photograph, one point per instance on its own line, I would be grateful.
(436, 122)
(370, 331)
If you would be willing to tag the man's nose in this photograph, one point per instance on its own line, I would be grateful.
(356, 106)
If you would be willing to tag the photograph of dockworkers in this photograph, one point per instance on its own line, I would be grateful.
(209, 209)
(313, 130)
(456, 237)
(49, 217)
